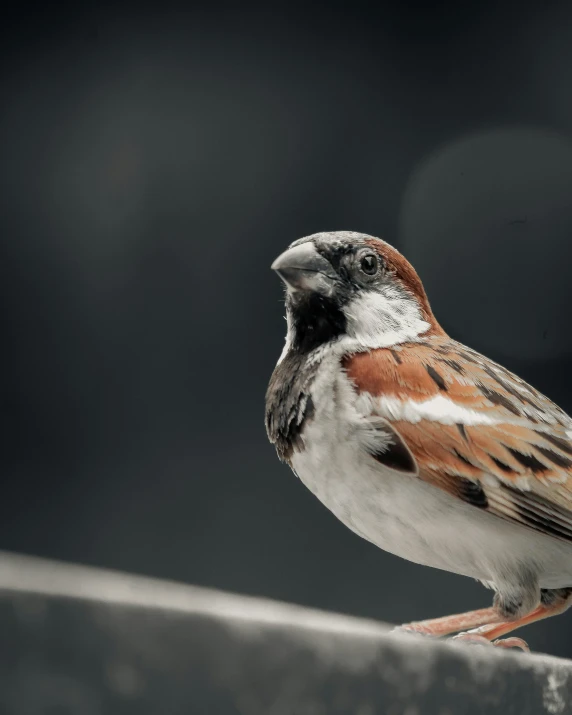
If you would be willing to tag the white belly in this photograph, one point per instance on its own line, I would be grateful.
(406, 516)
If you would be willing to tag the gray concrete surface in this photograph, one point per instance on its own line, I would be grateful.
(93, 642)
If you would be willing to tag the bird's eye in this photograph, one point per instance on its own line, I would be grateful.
(369, 264)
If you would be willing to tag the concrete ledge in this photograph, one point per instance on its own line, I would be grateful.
(93, 642)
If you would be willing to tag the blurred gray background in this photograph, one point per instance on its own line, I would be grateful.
(154, 162)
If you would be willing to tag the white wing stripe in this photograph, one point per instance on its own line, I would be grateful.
(437, 409)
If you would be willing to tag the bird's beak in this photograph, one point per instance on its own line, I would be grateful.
(302, 268)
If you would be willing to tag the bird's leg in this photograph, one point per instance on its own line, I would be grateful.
(452, 624)
(492, 631)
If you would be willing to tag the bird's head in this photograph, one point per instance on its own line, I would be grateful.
(346, 285)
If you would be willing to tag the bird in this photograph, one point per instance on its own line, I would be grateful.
(416, 442)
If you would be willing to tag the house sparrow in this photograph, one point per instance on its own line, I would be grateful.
(417, 443)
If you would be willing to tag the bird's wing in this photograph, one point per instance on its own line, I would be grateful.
(453, 418)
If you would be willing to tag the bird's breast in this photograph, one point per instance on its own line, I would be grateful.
(399, 512)
(377, 503)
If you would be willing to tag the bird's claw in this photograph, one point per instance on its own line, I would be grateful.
(413, 628)
(472, 638)
(513, 642)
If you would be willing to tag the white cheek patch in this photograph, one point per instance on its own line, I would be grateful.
(437, 409)
(380, 319)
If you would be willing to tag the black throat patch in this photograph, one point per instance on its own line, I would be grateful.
(316, 320)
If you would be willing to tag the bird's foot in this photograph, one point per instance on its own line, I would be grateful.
(447, 625)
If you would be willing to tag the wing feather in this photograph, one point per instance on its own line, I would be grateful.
(508, 448)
